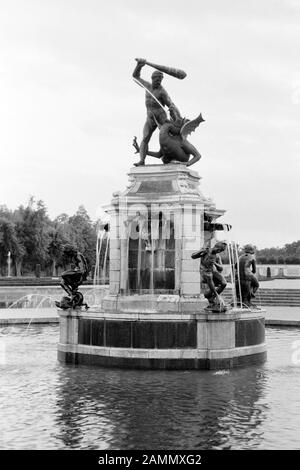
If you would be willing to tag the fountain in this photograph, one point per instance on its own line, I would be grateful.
(156, 313)
(9, 264)
(31, 301)
(102, 246)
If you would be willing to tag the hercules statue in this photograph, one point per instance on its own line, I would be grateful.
(174, 131)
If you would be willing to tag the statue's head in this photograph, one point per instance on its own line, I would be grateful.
(249, 249)
(219, 247)
(207, 218)
(157, 77)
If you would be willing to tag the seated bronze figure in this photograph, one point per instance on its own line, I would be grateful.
(75, 274)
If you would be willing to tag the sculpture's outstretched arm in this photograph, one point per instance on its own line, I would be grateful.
(137, 72)
(218, 264)
(174, 111)
(155, 154)
(200, 253)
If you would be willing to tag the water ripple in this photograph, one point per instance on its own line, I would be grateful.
(47, 405)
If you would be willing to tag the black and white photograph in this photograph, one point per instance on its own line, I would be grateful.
(149, 229)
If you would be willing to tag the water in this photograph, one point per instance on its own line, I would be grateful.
(34, 301)
(150, 255)
(100, 272)
(99, 241)
(48, 405)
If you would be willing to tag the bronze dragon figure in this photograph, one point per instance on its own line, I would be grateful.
(174, 145)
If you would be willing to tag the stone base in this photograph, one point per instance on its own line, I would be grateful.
(153, 303)
(159, 340)
(160, 363)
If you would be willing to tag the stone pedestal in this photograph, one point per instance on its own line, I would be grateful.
(154, 315)
(160, 194)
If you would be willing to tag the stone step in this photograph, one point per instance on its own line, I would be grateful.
(278, 296)
(275, 294)
(268, 302)
(272, 296)
(259, 299)
(296, 299)
(275, 291)
(284, 297)
(275, 297)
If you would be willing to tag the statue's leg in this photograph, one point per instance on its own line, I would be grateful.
(246, 291)
(249, 290)
(148, 130)
(237, 290)
(208, 278)
(191, 150)
(220, 282)
(66, 288)
(254, 285)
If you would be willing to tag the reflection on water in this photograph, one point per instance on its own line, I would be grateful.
(47, 405)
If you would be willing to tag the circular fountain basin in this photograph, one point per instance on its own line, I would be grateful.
(156, 340)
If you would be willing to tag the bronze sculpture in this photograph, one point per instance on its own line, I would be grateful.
(246, 281)
(210, 269)
(173, 131)
(174, 145)
(177, 73)
(75, 274)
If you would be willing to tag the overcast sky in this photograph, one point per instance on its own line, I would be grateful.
(69, 107)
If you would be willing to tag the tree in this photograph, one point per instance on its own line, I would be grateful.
(61, 219)
(83, 234)
(32, 228)
(59, 236)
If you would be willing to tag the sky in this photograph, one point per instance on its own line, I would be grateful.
(69, 108)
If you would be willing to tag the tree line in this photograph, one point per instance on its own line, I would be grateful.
(34, 240)
(289, 254)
